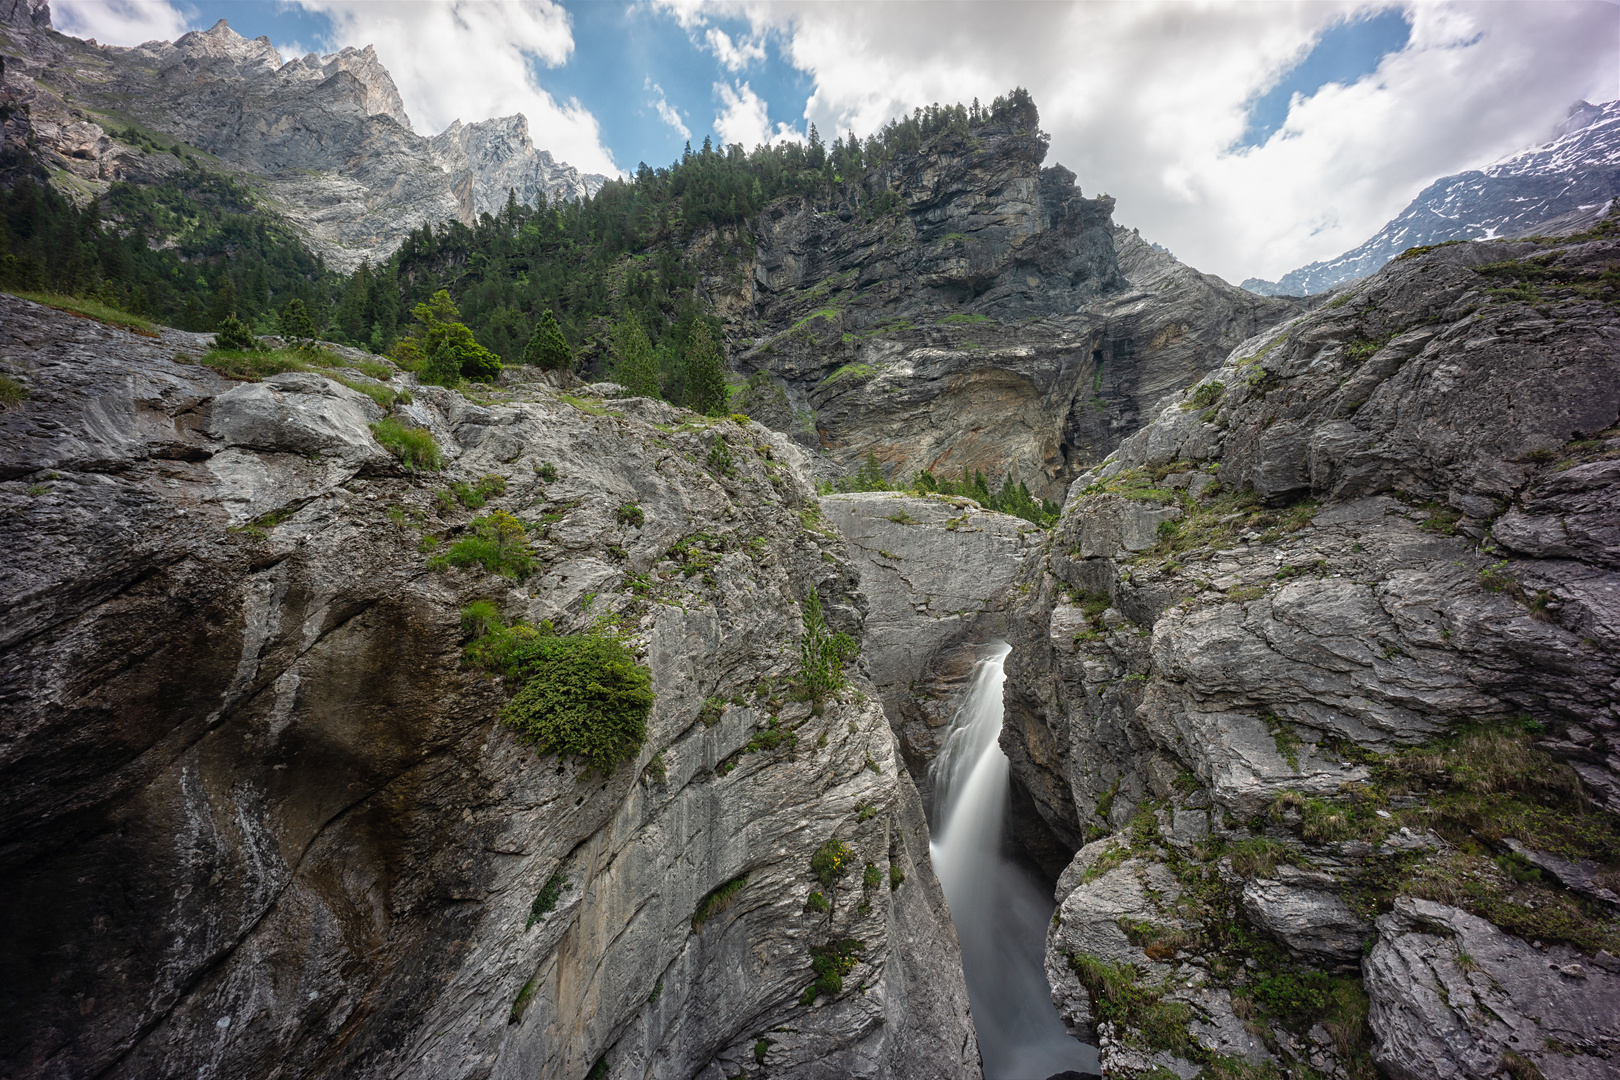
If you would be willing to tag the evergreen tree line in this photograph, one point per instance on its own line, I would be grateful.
(606, 278)
(186, 253)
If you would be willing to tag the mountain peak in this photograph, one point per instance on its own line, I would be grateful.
(1574, 172)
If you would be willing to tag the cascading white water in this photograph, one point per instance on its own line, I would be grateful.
(1000, 910)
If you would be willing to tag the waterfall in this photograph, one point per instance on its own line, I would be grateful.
(1000, 909)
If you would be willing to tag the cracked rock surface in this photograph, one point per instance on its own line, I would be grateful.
(1318, 674)
(258, 819)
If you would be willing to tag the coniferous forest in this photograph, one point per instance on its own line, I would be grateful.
(197, 248)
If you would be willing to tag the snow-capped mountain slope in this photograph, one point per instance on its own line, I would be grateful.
(1580, 169)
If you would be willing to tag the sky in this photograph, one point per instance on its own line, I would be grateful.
(1249, 138)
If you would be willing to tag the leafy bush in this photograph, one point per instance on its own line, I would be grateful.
(831, 962)
(581, 694)
(632, 515)
(831, 861)
(479, 618)
(1205, 396)
(817, 902)
(414, 447)
(498, 543)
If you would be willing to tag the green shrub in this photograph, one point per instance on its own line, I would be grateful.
(498, 543)
(896, 876)
(479, 618)
(1140, 1012)
(871, 877)
(414, 447)
(831, 861)
(473, 496)
(12, 392)
(831, 962)
(545, 902)
(716, 901)
(234, 335)
(822, 655)
(546, 471)
(721, 461)
(632, 515)
(817, 902)
(581, 694)
(1205, 396)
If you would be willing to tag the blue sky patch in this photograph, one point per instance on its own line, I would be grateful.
(1345, 53)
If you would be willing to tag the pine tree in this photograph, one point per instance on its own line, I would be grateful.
(442, 367)
(296, 325)
(548, 349)
(634, 365)
(705, 373)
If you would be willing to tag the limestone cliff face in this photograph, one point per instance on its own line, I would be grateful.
(503, 160)
(259, 820)
(1373, 527)
(971, 310)
(328, 135)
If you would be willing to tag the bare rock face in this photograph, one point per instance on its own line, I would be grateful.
(1454, 997)
(259, 819)
(986, 317)
(1269, 638)
(504, 163)
(328, 135)
(935, 573)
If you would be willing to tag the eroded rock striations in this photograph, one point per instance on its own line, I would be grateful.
(327, 135)
(1318, 671)
(259, 819)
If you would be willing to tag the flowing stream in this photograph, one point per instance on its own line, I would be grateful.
(1001, 910)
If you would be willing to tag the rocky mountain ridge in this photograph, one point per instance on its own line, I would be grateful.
(327, 137)
(1576, 174)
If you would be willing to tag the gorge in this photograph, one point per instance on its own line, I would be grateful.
(1289, 748)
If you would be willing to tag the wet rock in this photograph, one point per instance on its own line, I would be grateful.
(1453, 996)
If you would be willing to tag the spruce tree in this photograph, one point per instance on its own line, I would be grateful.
(443, 366)
(705, 373)
(634, 365)
(296, 325)
(548, 349)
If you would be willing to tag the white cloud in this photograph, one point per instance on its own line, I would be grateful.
(1145, 100)
(666, 111)
(734, 57)
(470, 60)
(122, 22)
(743, 119)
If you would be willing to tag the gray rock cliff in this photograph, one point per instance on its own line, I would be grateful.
(1317, 673)
(327, 136)
(258, 818)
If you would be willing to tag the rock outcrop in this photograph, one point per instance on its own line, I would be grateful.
(969, 310)
(935, 572)
(1321, 661)
(326, 136)
(259, 819)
